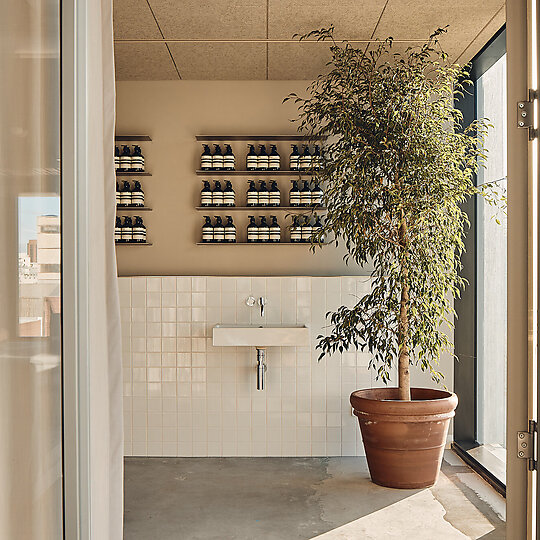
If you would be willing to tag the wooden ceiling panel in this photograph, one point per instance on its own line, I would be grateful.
(303, 61)
(220, 61)
(412, 19)
(134, 20)
(143, 62)
(353, 19)
(211, 19)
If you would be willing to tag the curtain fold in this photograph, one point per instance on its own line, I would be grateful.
(106, 418)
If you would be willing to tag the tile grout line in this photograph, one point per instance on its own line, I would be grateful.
(162, 35)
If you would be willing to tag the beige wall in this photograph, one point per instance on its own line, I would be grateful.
(172, 113)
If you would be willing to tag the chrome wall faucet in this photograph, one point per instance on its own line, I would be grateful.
(262, 303)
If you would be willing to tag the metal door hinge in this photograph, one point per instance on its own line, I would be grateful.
(525, 114)
(526, 445)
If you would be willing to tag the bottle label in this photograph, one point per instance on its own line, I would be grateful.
(117, 234)
(116, 162)
(275, 198)
(125, 162)
(264, 234)
(252, 198)
(139, 234)
(252, 162)
(316, 198)
(275, 235)
(274, 162)
(296, 234)
(294, 198)
(305, 197)
(228, 161)
(137, 198)
(230, 234)
(217, 162)
(228, 198)
(252, 234)
(206, 162)
(305, 162)
(207, 234)
(219, 234)
(127, 233)
(264, 198)
(206, 198)
(125, 198)
(262, 162)
(293, 163)
(137, 163)
(217, 198)
(306, 232)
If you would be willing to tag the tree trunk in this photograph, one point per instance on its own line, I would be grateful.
(404, 378)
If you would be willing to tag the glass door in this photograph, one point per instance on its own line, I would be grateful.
(481, 335)
(30, 272)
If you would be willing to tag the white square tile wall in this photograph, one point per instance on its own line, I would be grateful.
(184, 397)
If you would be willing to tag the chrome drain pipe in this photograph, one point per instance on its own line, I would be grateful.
(261, 368)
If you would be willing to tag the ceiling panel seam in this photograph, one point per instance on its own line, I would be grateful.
(377, 24)
(233, 41)
(163, 36)
(480, 32)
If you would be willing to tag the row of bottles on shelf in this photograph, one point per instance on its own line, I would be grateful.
(128, 196)
(128, 161)
(218, 196)
(262, 161)
(130, 230)
(219, 232)
(218, 161)
(305, 161)
(302, 229)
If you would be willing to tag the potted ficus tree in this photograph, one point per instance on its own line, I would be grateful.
(397, 166)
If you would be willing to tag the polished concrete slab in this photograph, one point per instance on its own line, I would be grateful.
(301, 498)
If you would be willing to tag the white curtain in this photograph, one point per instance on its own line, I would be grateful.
(106, 430)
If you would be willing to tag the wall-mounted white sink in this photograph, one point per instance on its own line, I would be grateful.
(260, 336)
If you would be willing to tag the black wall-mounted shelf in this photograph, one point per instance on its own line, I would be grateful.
(122, 173)
(133, 208)
(260, 208)
(257, 244)
(133, 243)
(251, 173)
(292, 137)
(128, 138)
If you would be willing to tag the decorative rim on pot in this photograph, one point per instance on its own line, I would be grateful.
(425, 401)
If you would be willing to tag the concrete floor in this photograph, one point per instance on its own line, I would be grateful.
(301, 498)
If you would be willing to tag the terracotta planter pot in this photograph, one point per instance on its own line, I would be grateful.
(404, 440)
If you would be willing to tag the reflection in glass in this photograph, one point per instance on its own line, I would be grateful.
(491, 280)
(30, 272)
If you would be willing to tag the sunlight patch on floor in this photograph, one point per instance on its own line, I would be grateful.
(403, 519)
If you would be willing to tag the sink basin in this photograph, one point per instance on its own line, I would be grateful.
(260, 336)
